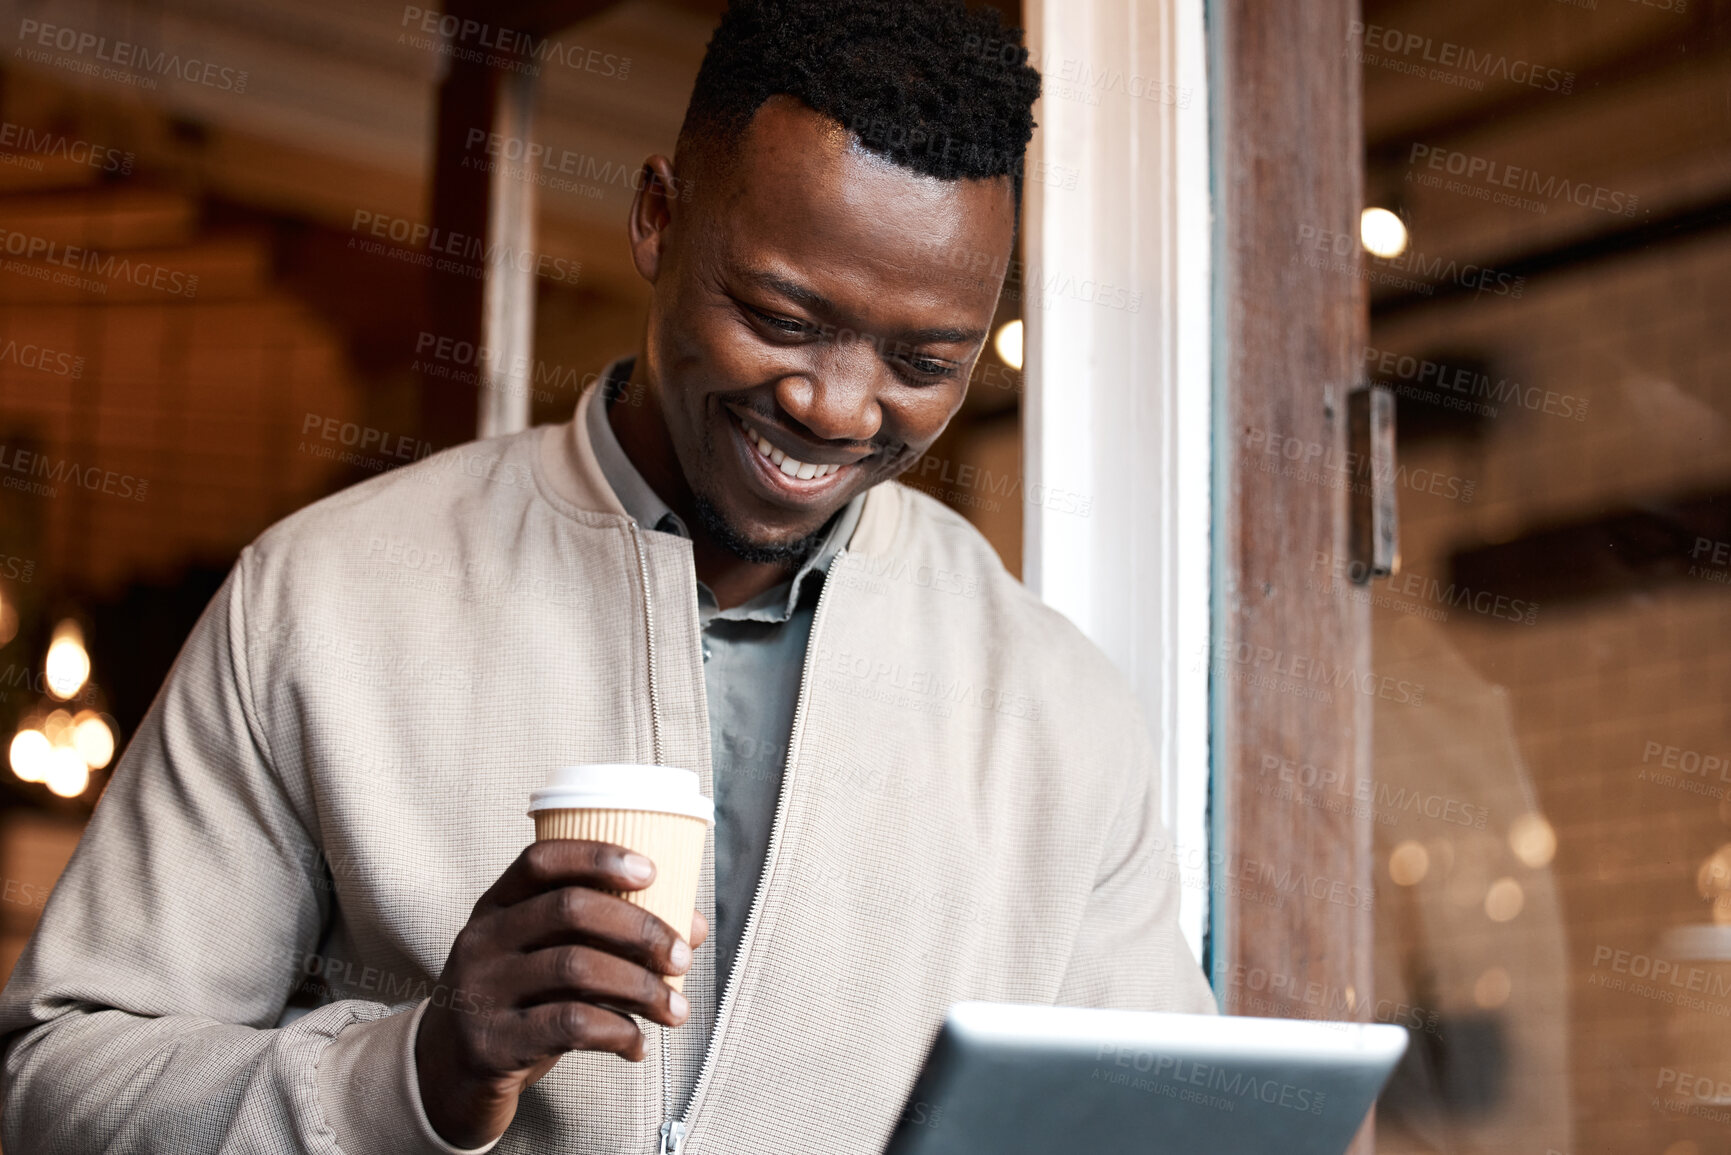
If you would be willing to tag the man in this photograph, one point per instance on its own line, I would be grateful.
(708, 562)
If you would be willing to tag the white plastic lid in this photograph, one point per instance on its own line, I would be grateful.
(624, 786)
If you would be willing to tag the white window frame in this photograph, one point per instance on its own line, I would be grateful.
(1118, 402)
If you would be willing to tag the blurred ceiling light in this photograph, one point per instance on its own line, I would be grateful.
(1492, 988)
(68, 665)
(1008, 343)
(8, 621)
(1408, 864)
(30, 753)
(1504, 900)
(67, 773)
(93, 739)
(1533, 840)
(1383, 233)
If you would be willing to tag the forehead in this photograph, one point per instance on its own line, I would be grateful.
(802, 192)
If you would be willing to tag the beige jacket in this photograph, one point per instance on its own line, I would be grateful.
(339, 763)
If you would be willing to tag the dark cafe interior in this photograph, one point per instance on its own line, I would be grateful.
(1310, 426)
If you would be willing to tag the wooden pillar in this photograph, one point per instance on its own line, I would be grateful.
(484, 217)
(508, 292)
(1290, 668)
(469, 286)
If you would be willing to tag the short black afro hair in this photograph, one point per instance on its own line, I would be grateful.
(928, 84)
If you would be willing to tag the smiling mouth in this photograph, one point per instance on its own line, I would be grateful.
(779, 461)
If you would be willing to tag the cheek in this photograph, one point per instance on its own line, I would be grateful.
(723, 352)
(920, 418)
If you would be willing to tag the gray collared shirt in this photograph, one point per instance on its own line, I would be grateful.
(753, 656)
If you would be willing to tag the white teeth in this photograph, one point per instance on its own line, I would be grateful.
(788, 465)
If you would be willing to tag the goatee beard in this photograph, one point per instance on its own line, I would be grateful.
(760, 553)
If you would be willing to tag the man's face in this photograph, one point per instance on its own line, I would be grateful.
(813, 323)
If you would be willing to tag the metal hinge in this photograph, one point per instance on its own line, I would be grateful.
(1374, 522)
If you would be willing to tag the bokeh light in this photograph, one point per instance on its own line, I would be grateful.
(1009, 344)
(67, 773)
(1492, 988)
(1504, 900)
(58, 727)
(1533, 840)
(93, 739)
(1383, 233)
(68, 665)
(30, 753)
(1408, 863)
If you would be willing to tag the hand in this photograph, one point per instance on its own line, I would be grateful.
(554, 965)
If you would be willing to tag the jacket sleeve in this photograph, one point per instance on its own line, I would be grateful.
(1129, 953)
(142, 1017)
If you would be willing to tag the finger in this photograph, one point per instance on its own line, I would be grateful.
(575, 915)
(585, 974)
(556, 862)
(554, 1028)
(699, 929)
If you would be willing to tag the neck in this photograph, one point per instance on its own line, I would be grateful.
(642, 433)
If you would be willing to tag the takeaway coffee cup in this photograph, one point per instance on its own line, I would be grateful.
(658, 811)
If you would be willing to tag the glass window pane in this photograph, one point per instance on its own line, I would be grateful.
(1553, 816)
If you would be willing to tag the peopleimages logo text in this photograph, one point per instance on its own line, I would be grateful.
(31, 356)
(1448, 55)
(448, 251)
(533, 155)
(38, 474)
(40, 144)
(1382, 795)
(1493, 175)
(138, 58)
(1434, 270)
(477, 42)
(111, 267)
(1470, 384)
(1237, 1084)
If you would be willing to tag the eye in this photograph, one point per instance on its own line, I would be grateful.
(780, 324)
(928, 369)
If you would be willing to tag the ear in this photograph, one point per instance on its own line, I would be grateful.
(651, 216)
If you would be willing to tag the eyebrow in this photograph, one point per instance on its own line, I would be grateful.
(818, 303)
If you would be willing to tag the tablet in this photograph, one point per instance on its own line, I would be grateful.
(1009, 1079)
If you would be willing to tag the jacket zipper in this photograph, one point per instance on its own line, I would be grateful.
(668, 1135)
(674, 1131)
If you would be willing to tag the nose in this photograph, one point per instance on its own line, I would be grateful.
(837, 400)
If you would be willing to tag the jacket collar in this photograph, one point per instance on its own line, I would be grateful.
(634, 493)
(574, 475)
